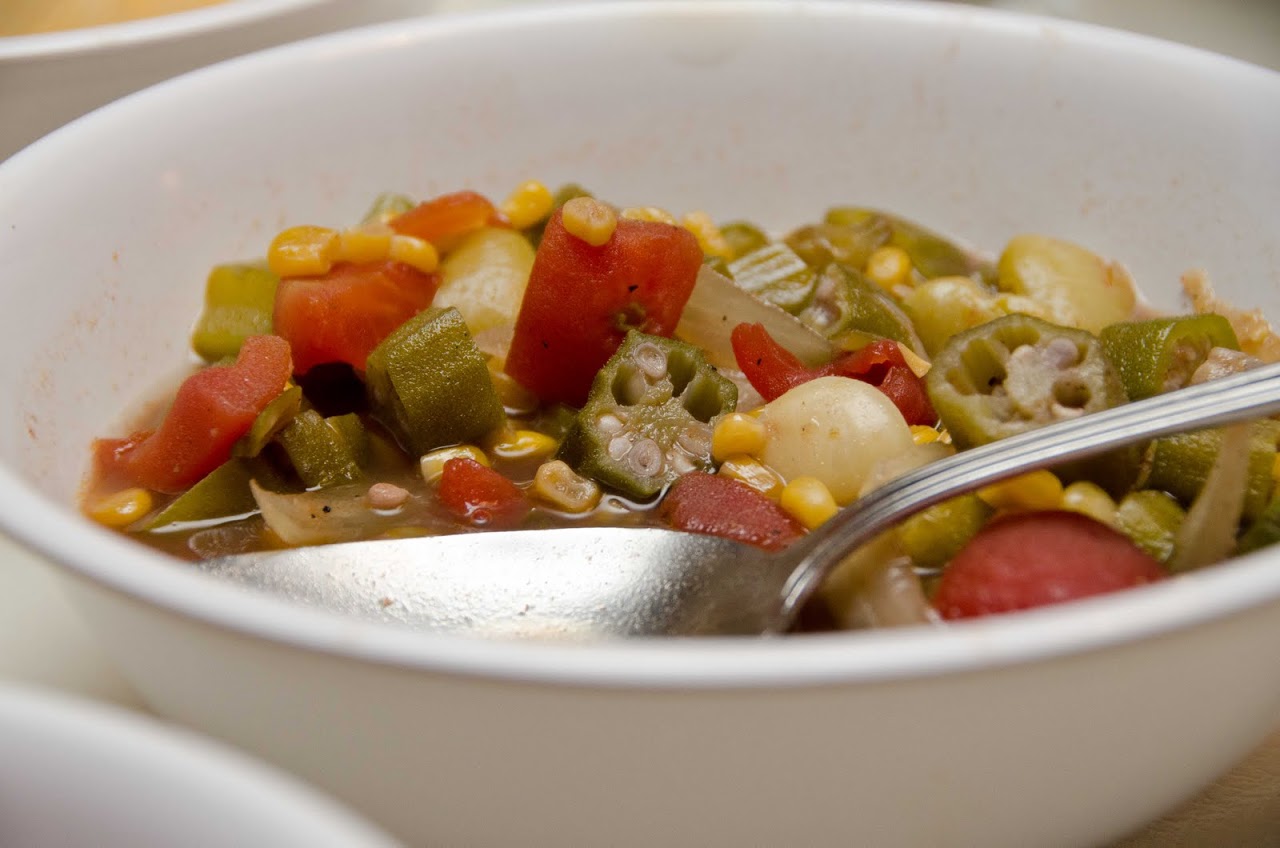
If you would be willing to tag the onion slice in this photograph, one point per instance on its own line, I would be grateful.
(1208, 533)
(337, 514)
(717, 305)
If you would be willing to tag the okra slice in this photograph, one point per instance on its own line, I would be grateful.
(850, 241)
(1161, 354)
(777, 275)
(1265, 531)
(742, 238)
(844, 301)
(649, 416)
(931, 254)
(1017, 373)
(325, 451)
(429, 383)
(1151, 518)
(238, 303)
(1180, 464)
(933, 537)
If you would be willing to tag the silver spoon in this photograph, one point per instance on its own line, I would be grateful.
(594, 582)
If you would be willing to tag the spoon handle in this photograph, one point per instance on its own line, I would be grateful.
(1239, 397)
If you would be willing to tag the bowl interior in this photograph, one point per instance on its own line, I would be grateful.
(978, 124)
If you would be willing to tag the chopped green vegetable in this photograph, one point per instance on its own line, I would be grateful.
(1151, 519)
(269, 422)
(430, 385)
(776, 275)
(238, 302)
(742, 239)
(1017, 373)
(221, 494)
(649, 416)
(386, 206)
(1161, 354)
(325, 451)
(1180, 464)
(931, 254)
(931, 538)
(844, 301)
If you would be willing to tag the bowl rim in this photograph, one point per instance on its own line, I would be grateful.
(145, 31)
(127, 568)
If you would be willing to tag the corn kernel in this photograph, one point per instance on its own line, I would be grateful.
(563, 488)
(809, 501)
(888, 266)
(918, 365)
(303, 251)
(1033, 490)
(708, 234)
(528, 204)
(1089, 499)
(589, 220)
(432, 464)
(370, 243)
(415, 252)
(754, 473)
(737, 433)
(121, 508)
(522, 444)
(653, 214)
(922, 435)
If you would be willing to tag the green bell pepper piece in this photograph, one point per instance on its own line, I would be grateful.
(1161, 354)
(325, 451)
(776, 275)
(238, 303)
(1151, 518)
(1180, 464)
(222, 494)
(430, 385)
(649, 416)
(931, 254)
(1017, 373)
(844, 301)
(269, 422)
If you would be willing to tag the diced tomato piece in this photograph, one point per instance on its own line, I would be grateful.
(345, 314)
(479, 495)
(582, 300)
(212, 409)
(721, 506)
(444, 220)
(1031, 559)
(772, 370)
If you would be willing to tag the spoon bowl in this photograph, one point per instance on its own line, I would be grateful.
(592, 582)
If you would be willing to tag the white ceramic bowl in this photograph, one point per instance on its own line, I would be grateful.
(77, 774)
(46, 79)
(1066, 726)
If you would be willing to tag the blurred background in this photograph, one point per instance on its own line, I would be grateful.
(61, 58)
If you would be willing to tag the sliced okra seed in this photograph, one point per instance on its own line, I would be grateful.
(696, 439)
(681, 462)
(651, 360)
(645, 458)
(619, 446)
(609, 423)
(1062, 352)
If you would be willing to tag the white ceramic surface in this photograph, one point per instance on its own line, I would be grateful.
(77, 774)
(46, 79)
(1068, 726)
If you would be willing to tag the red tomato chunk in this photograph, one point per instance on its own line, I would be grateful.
(212, 410)
(344, 315)
(481, 496)
(581, 300)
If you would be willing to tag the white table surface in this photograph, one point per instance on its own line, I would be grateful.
(44, 641)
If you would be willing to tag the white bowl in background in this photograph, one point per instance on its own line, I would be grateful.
(77, 773)
(1065, 726)
(49, 78)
